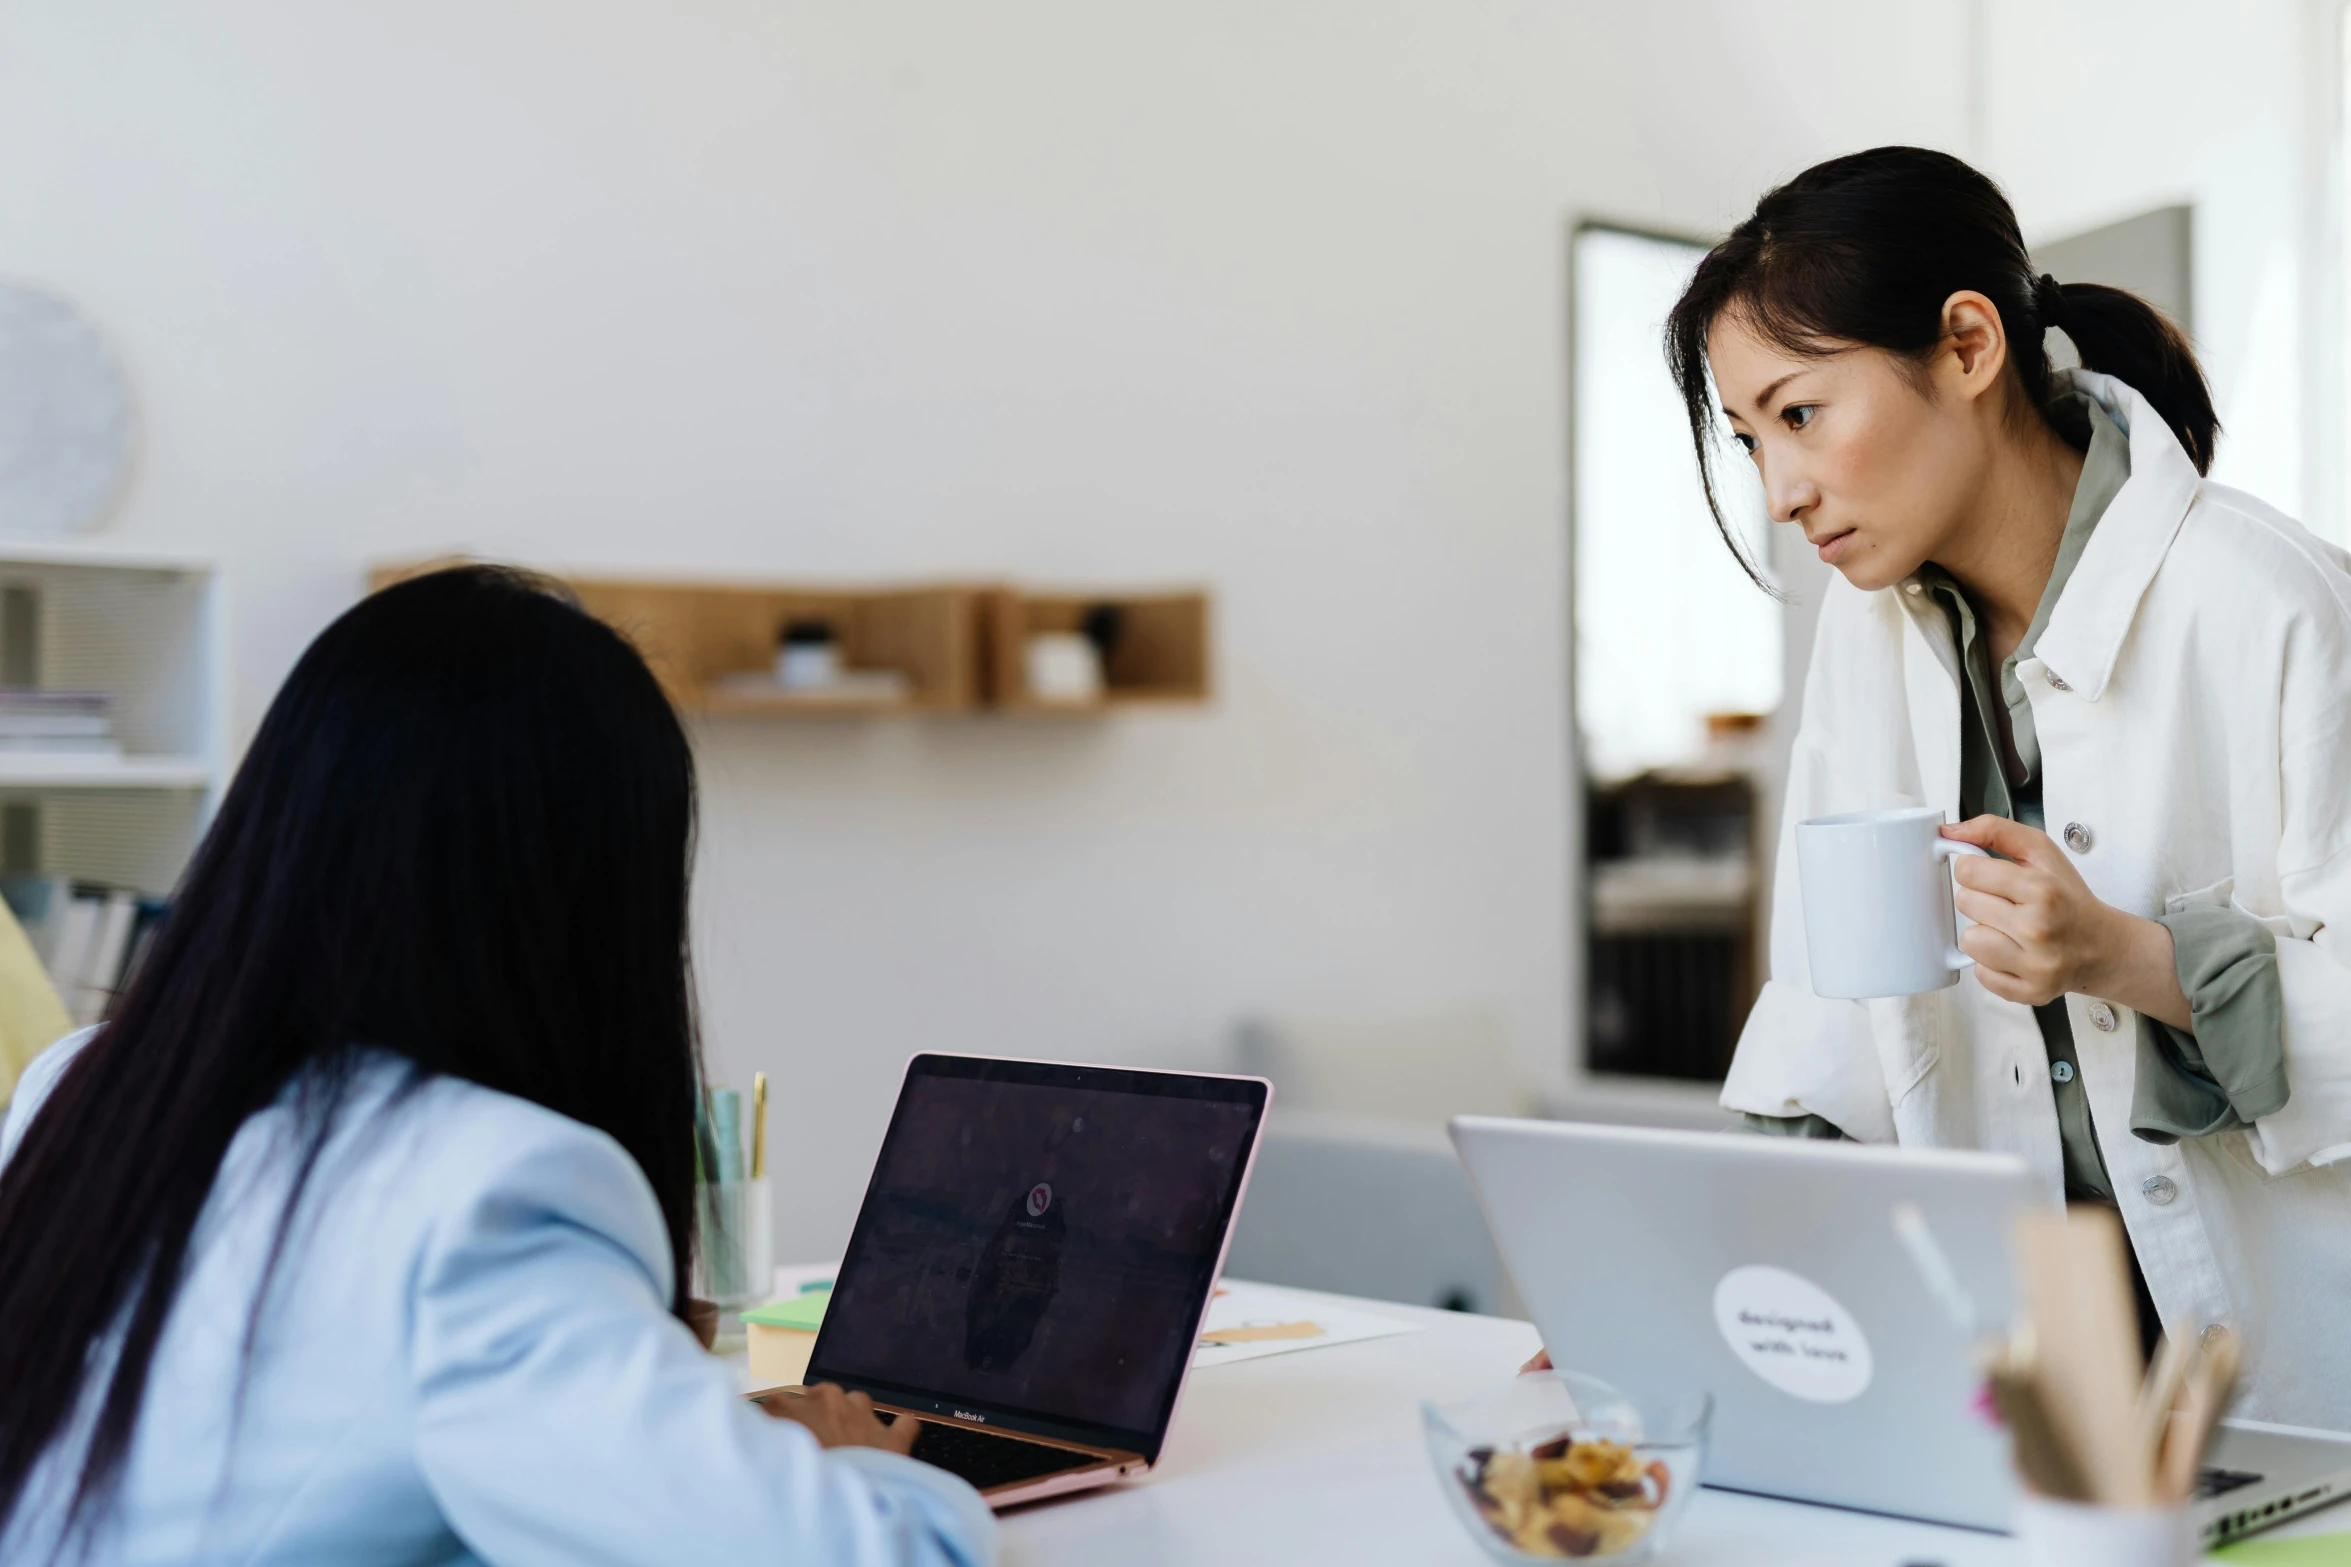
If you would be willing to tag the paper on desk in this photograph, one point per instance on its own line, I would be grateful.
(1280, 1321)
(2310, 1550)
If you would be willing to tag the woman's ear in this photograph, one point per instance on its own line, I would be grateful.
(1975, 345)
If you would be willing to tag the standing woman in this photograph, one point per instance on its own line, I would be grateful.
(359, 1234)
(2132, 685)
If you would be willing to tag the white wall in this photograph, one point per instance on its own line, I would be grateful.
(2095, 112)
(1267, 293)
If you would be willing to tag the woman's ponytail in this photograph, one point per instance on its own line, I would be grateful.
(2119, 334)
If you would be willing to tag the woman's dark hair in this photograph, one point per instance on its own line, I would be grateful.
(463, 835)
(1865, 249)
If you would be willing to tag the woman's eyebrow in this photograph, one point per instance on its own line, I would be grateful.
(1763, 398)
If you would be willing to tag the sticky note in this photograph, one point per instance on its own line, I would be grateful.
(1262, 1333)
(803, 1312)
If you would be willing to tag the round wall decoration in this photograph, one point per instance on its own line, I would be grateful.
(65, 416)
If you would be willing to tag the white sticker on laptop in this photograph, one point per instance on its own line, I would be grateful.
(1793, 1334)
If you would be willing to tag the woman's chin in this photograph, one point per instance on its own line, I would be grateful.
(1870, 570)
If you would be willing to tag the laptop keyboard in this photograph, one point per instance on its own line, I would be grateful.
(988, 1460)
(2219, 1482)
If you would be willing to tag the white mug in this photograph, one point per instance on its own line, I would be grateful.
(1877, 903)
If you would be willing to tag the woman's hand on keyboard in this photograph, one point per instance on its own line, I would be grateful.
(839, 1419)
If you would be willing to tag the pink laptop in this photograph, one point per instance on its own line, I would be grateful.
(1036, 1252)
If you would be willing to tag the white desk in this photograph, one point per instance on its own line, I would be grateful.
(1317, 1457)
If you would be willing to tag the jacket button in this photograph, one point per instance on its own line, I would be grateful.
(2102, 1017)
(2062, 1071)
(2056, 684)
(2158, 1190)
(2077, 837)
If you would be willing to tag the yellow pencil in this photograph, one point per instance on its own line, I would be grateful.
(759, 1126)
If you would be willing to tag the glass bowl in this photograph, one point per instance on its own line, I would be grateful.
(1557, 1464)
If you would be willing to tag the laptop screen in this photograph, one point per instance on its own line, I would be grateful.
(1038, 1242)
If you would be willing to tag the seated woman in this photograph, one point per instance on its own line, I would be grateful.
(360, 1233)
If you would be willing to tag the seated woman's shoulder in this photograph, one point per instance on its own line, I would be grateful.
(431, 1159)
(462, 1157)
(33, 1086)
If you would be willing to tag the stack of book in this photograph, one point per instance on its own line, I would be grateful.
(89, 937)
(77, 721)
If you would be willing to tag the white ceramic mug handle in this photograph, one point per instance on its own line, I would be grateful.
(1952, 849)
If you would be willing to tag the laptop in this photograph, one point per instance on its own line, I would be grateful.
(1767, 1271)
(1030, 1270)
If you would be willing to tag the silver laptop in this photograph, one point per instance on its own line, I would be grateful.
(1767, 1271)
(1036, 1252)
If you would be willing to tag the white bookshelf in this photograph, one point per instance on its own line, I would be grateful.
(150, 629)
(124, 772)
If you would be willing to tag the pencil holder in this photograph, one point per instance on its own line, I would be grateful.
(759, 1238)
(2078, 1534)
(734, 1259)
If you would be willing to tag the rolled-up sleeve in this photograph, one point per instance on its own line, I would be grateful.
(564, 1417)
(2230, 1070)
(2309, 910)
(2314, 980)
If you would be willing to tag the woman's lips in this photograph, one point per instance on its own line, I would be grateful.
(1836, 547)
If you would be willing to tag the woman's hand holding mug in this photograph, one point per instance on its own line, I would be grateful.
(1878, 915)
(2041, 933)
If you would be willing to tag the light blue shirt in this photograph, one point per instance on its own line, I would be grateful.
(467, 1356)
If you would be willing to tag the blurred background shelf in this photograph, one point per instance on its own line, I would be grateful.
(1154, 646)
(712, 642)
(955, 647)
(130, 642)
(52, 770)
(67, 771)
(783, 704)
(1675, 921)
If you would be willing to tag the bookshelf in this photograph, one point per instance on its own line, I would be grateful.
(961, 648)
(1675, 925)
(147, 628)
(35, 773)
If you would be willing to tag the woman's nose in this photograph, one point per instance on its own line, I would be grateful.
(1789, 499)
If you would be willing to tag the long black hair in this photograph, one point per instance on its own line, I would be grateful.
(1865, 249)
(463, 834)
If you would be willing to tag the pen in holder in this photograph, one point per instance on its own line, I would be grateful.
(2108, 1457)
(734, 1261)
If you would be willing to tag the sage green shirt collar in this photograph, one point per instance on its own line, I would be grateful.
(1985, 783)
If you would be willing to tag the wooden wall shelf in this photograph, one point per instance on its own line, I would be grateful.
(698, 635)
(1157, 646)
(961, 647)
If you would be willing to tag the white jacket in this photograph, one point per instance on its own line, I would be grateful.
(2192, 693)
